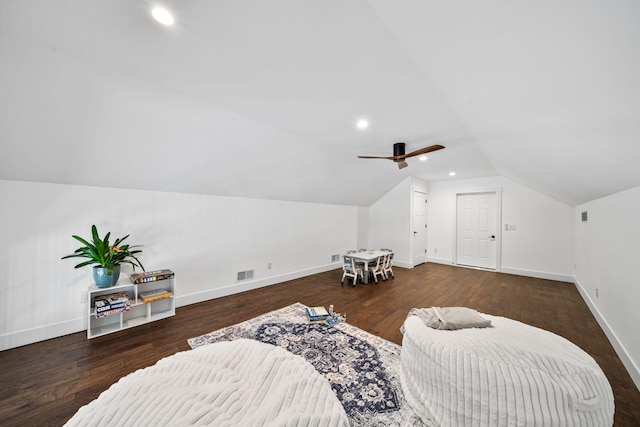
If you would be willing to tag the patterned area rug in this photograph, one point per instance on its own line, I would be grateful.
(363, 369)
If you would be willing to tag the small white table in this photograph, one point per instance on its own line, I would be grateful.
(366, 257)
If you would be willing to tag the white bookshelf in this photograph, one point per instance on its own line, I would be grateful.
(139, 314)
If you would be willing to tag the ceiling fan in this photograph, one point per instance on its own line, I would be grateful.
(399, 155)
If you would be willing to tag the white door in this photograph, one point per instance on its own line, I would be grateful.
(419, 224)
(476, 230)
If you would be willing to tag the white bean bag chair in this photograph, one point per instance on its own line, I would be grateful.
(233, 383)
(509, 374)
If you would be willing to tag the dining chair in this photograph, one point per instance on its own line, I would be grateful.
(349, 269)
(378, 268)
(387, 266)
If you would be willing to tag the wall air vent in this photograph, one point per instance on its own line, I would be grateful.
(245, 275)
(584, 216)
(335, 258)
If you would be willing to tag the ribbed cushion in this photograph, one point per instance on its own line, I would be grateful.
(511, 374)
(235, 383)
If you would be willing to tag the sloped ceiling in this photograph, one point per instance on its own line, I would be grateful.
(259, 98)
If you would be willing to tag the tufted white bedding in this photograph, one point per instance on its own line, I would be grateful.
(511, 374)
(233, 383)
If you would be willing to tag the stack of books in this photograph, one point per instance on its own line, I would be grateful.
(317, 314)
(106, 305)
(151, 276)
(154, 295)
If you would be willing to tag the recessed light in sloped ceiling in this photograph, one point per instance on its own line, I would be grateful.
(163, 16)
(362, 124)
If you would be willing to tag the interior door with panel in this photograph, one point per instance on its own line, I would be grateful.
(476, 230)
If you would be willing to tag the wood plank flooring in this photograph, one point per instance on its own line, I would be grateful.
(44, 384)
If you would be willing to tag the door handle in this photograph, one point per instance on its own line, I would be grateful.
(492, 237)
(415, 232)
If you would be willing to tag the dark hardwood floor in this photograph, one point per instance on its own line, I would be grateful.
(45, 383)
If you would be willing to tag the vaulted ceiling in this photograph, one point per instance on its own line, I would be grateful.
(260, 98)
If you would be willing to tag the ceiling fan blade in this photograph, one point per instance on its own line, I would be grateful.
(375, 157)
(424, 151)
(401, 157)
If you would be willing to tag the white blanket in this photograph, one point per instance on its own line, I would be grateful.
(511, 374)
(236, 383)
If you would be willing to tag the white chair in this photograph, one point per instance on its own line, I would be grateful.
(378, 268)
(349, 269)
(358, 262)
(387, 266)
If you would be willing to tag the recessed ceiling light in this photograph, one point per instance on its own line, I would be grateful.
(452, 174)
(362, 124)
(423, 158)
(163, 16)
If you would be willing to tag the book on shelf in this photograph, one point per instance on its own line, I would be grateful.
(113, 311)
(154, 295)
(317, 313)
(106, 304)
(151, 276)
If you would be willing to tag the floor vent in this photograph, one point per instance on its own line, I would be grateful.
(245, 275)
(335, 258)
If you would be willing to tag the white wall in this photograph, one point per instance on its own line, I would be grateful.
(205, 240)
(390, 223)
(363, 228)
(540, 246)
(606, 256)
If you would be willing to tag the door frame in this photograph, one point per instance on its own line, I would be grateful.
(426, 235)
(498, 193)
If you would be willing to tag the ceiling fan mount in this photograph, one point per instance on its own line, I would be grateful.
(398, 150)
(399, 155)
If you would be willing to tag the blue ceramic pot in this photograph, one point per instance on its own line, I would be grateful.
(102, 279)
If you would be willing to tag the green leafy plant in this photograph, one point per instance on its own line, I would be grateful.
(99, 251)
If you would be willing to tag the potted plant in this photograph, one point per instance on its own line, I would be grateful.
(108, 257)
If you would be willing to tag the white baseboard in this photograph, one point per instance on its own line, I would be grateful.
(538, 274)
(248, 285)
(516, 271)
(30, 336)
(402, 264)
(440, 260)
(619, 348)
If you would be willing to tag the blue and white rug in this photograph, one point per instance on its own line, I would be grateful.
(363, 369)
